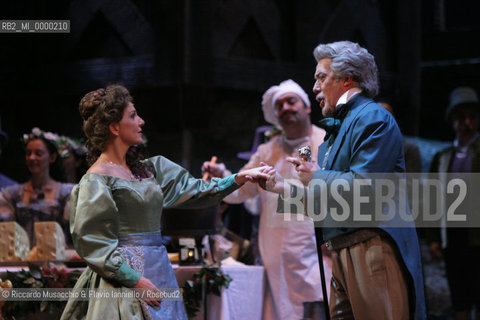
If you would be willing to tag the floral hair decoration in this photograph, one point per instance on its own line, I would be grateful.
(63, 144)
(68, 145)
(37, 133)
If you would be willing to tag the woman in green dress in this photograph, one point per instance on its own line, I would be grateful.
(116, 209)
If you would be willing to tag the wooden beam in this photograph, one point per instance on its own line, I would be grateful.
(79, 76)
(258, 75)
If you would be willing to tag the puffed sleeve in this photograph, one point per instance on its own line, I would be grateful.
(64, 218)
(94, 225)
(181, 190)
(8, 196)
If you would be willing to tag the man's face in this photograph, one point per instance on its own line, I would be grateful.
(466, 121)
(290, 109)
(327, 89)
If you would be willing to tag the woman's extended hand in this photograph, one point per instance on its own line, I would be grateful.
(257, 175)
(266, 176)
(145, 283)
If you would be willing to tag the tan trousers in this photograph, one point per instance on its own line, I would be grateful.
(368, 283)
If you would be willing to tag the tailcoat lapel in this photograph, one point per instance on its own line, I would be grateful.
(356, 104)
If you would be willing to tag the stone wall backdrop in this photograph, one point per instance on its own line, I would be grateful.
(197, 68)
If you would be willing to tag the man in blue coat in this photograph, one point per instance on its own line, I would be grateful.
(377, 271)
(4, 180)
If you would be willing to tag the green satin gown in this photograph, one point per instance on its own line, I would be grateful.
(115, 226)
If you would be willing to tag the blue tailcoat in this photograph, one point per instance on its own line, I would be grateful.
(369, 141)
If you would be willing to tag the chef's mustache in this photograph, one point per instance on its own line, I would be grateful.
(287, 112)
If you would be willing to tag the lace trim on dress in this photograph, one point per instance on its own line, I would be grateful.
(135, 260)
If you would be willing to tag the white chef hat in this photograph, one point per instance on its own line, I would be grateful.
(273, 93)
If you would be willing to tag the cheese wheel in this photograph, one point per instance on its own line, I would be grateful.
(50, 241)
(14, 243)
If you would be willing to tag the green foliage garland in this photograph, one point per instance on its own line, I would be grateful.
(207, 280)
(38, 277)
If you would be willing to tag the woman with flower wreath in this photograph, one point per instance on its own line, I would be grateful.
(74, 159)
(116, 210)
(43, 197)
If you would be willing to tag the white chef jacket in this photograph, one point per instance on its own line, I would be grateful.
(288, 248)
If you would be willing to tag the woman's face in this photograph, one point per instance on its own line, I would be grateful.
(37, 157)
(70, 163)
(130, 127)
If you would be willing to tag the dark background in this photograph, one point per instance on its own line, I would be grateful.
(197, 68)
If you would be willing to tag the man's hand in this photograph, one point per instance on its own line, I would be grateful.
(214, 170)
(274, 181)
(305, 169)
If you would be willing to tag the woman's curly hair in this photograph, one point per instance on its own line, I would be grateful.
(99, 109)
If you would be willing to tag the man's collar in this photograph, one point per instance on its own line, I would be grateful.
(347, 96)
(457, 145)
